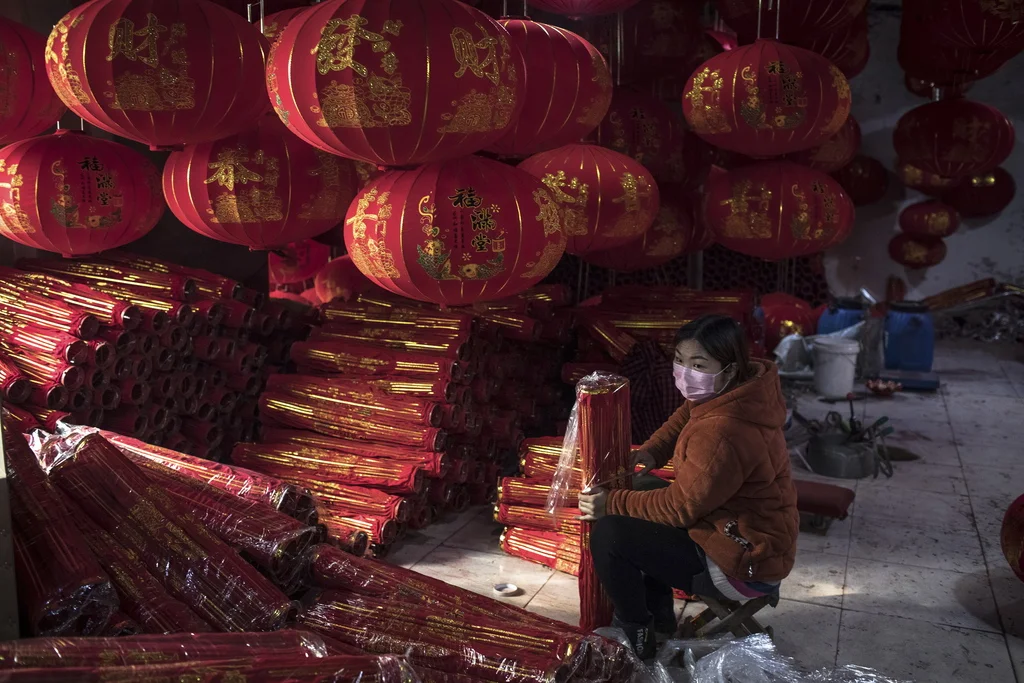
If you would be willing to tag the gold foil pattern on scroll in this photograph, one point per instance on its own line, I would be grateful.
(705, 94)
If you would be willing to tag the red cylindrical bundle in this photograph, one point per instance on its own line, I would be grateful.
(380, 530)
(49, 394)
(565, 520)
(123, 341)
(520, 491)
(350, 399)
(102, 354)
(312, 464)
(134, 392)
(93, 273)
(108, 309)
(359, 500)
(50, 313)
(233, 314)
(128, 420)
(44, 368)
(440, 492)
(41, 340)
(515, 326)
(14, 384)
(613, 340)
(286, 411)
(49, 419)
(207, 284)
(18, 420)
(62, 590)
(207, 434)
(455, 346)
(194, 565)
(406, 317)
(434, 463)
(347, 358)
(549, 548)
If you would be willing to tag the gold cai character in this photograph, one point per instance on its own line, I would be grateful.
(467, 53)
(706, 114)
(741, 222)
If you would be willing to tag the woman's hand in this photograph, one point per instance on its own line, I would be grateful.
(645, 460)
(593, 505)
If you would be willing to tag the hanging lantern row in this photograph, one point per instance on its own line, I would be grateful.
(788, 21)
(28, 104)
(929, 219)
(669, 237)
(865, 179)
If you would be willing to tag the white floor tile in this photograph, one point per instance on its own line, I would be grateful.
(816, 578)
(1009, 596)
(448, 525)
(1016, 647)
(934, 510)
(921, 651)
(989, 386)
(835, 542)
(479, 572)
(411, 549)
(558, 599)
(807, 633)
(916, 546)
(918, 475)
(988, 448)
(482, 534)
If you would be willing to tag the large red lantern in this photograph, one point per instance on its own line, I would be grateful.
(954, 138)
(76, 195)
(767, 99)
(455, 233)
(28, 104)
(275, 23)
(982, 195)
(570, 89)
(929, 219)
(340, 279)
(183, 72)
(785, 315)
(865, 180)
(395, 82)
(263, 188)
(834, 153)
(979, 25)
(667, 239)
(296, 263)
(795, 20)
(641, 127)
(848, 48)
(607, 199)
(917, 252)
(777, 209)
(582, 8)
(922, 181)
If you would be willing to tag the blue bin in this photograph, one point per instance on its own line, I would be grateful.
(840, 314)
(909, 337)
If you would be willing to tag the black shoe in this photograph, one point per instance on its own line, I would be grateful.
(641, 638)
(665, 622)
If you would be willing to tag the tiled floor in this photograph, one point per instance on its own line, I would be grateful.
(914, 583)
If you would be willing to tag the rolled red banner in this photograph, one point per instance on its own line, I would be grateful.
(341, 357)
(108, 309)
(348, 313)
(233, 314)
(42, 368)
(359, 500)
(106, 398)
(18, 420)
(49, 395)
(15, 384)
(102, 354)
(207, 284)
(41, 340)
(549, 548)
(453, 346)
(435, 464)
(379, 529)
(349, 398)
(96, 274)
(521, 491)
(123, 341)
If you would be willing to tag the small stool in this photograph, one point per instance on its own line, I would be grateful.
(723, 615)
(820, 503)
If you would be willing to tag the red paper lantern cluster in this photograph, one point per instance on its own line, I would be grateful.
(954, 138)
(582, 8)
(929, 219)
(28, 104)
(834, 153)
(340, 279)
(263, 188)
(917, 252)
(76, 195)
(848, 48)
(776, 210)
(298, 262)
(865, 179)
(667, 239)
(183, 72)
(982, 195)
(570, 89)
(766, 99)
(386, 82)
(607, 199)
(485, 231)
(785, 315)
(795, 21)
(641, 127)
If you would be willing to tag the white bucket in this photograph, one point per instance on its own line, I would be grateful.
(835, 366)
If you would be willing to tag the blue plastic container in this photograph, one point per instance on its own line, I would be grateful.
(840, 314)
(909, 337)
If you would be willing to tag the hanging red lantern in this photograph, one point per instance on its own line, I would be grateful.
(607, 199)
(666, 240)
(658, 38)
(929, 219)
(978, 25)
(689, 161)
(982, 195)
(297, 262)
(274, 23)
(340, 279)
(766, 99)
(28, 104)
(263, 188)
(569, 84)
(848, 48)
(917, 252)
(582, 8)
(311, 296)
(788, 21)
(921, 57)
(785, 315)
(76, 195)
(834, 153)
(455, 233)
(777, 209)
(639, 126)
(393, 84)
(865, 180)
(954, 138)
(927, 183)
(186, 72)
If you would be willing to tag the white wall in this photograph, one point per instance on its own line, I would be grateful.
(992, 247)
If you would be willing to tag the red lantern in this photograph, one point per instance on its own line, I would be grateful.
(923, 58)
(455, 233)
(666, 239)
(608, 199)
(767, 99)
(582, 8)
(954, 138)
(297, 262)
(275, 23)
(834, 153)
(982, 195)
(76, 195)
(785, 315)
(917, 252)
(263, 188)
(689, 161)
(311, 296)
(28, 105)
(849, 48)
(865, 179)
(796, 21)
(977, 25)
(929, 219)
(777, 209)
(927, 183)
(659, 37)
(388, 82)
(1011, 536)
(340, 279)
(184, 72)
(641, 127)
(569, 84)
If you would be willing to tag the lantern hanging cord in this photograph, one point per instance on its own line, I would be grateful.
(620, 44)
(778, 15)
(248, 12)
(760, 9)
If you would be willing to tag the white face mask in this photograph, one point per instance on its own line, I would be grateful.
(695, 385)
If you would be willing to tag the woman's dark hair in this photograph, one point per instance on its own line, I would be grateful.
(722, 337)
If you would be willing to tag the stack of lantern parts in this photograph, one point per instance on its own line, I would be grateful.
(400, 412)
(170, 355)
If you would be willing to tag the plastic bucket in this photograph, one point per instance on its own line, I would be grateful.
(835, 366)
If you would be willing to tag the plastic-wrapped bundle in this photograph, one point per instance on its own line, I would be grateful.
(452, 346)
(109, 310)
(15, 385)
(171, 286)
(288, 498)
(195, 566)
(303, 463)
(207, 284)
(379, 530)
(41, 340)
(403, 317)
(549, 548)
(361, 500)
(62, 590)
(36, 309)
(564, 520)
(521, 491)
(435, 464)
(18, 420)
(364, 360)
